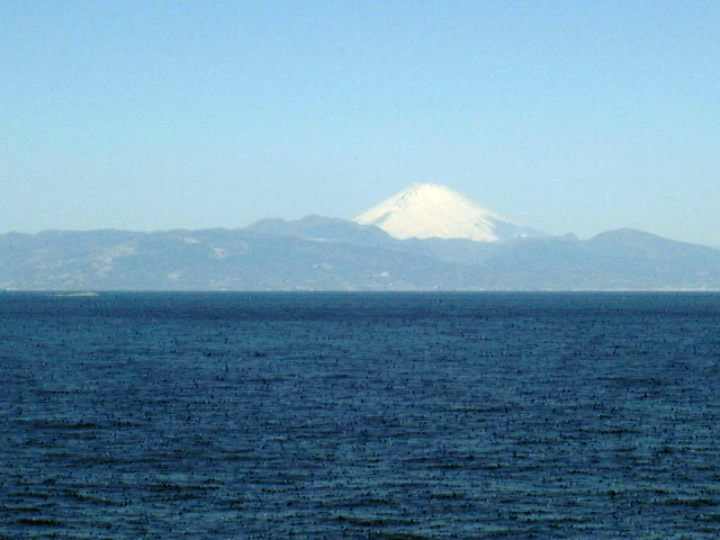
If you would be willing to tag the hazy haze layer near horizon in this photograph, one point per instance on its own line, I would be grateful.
(566, 117)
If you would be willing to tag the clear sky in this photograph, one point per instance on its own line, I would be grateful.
(567, 116)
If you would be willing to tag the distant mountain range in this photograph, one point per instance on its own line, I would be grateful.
(427, 238)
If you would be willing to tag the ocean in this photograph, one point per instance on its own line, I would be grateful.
(389, 416)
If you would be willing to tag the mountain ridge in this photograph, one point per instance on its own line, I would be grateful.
(317, 253)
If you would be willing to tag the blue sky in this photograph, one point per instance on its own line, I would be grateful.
(567, 116)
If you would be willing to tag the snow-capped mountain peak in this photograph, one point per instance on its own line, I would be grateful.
(436, 211)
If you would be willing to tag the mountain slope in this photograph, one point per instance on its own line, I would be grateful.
(322, 229)
(329, 254)
(615, 260)
(435, 211)
(216, 259)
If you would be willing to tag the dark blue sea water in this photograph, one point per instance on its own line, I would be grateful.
(360, 416)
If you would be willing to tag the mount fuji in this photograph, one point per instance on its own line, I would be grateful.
(426, 238)
(434, 211)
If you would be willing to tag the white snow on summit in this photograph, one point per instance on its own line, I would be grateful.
(433, 211)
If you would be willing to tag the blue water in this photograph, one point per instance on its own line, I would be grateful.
(360, 416)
